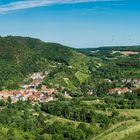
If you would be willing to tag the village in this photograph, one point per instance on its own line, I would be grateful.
(133, 81)
(30, 91)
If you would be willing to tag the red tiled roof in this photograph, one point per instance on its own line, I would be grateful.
(12, 92)
(49, 90)
(32, 98)
(121, 90)
(36, 82)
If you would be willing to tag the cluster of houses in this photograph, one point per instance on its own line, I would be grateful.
(131, 80)
(30, 92)
(135, 81)
(36, 79)
(45, 94)
(120, 90)
(126, 52)
(129, 52)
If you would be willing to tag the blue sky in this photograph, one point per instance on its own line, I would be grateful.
(75, 23)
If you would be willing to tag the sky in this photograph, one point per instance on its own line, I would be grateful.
(75, 23)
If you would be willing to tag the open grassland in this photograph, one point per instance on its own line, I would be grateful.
(134, 136)
(130, 112)
(118, 135)
(69, 83)
(126, 130)
(120, 131)
(82, 77)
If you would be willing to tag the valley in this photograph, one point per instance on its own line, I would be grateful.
(53, 92)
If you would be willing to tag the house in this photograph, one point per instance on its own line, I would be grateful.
(119, 90)
(36, 82)
(44, 98)
(32, 98)
(108, 80)
(13, 99)
(131, 80)
(15, 95)
(136, 81)
(129, 52)
(24, 86)
(37, 95)
(50, 99)
(6, 94)
(22, 98)
(31, 90)
(47, 90)
(38, 75)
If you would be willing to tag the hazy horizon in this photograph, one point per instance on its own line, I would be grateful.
(72, 46)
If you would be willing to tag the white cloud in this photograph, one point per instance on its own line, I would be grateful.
(25, 4)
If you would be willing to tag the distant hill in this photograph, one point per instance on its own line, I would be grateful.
(109, 48)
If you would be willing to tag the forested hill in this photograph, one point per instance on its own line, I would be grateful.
(20, 56)
(77, 71)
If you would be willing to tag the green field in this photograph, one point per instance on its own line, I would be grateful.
(126, 130)
(130, 112)
(82, 77)
(134, 136)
